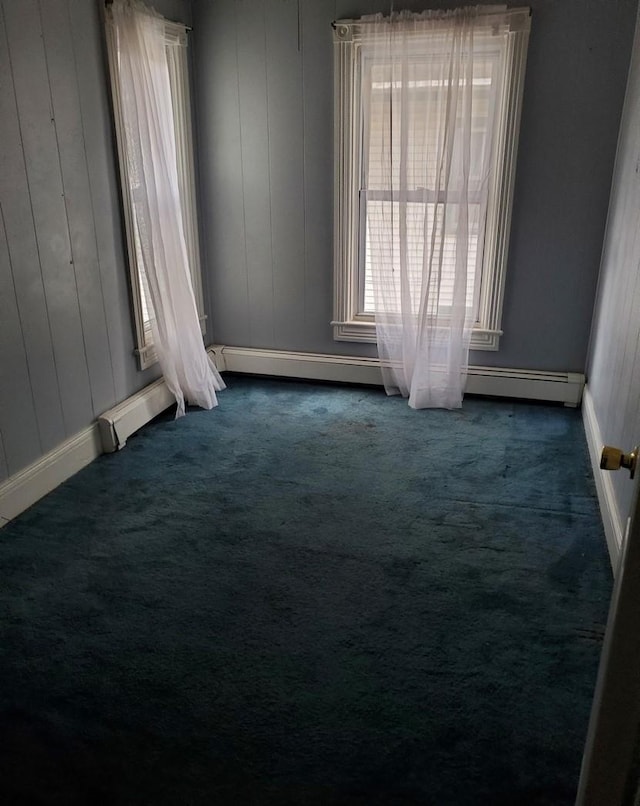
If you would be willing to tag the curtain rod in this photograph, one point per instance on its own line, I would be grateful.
(187, 28)
(334, 23)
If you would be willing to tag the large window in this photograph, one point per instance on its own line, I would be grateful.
(177, 61)
(364, 202)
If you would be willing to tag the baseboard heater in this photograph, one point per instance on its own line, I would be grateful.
(117, 424)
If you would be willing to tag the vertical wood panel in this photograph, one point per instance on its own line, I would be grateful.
(25, 260)
(4, 469)
(254, 132)
(77, 196)
(286, 171)
(177, 10)
(625, 401)
(614, 366)
(619, 300)
(39, 139)
(21, 443)
(222, 213)
(87, 38)
(66, 337)
(317, 48)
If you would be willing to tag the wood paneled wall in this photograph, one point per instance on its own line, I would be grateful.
(614, 366)
(66, 343)
(264, 89)
(264, 81)
(264, 95)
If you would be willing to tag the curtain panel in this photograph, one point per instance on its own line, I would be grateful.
(430, 88)
(142, 73)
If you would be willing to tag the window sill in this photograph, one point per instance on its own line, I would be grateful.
(365, 331)
(147, 355)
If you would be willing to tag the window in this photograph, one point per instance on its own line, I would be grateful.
(364, 204)
(176, 51)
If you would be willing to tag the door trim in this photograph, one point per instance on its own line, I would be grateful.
(613, 522)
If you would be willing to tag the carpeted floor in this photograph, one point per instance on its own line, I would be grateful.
(311, 595)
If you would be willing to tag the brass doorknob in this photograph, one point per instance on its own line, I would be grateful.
(614, 459)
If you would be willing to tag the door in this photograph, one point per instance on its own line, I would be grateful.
(610, 773)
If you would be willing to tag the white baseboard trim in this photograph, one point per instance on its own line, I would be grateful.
(562, 387)
(527, 384)
(117, 424)
(614, 528)
(27, 486)
(305, 366)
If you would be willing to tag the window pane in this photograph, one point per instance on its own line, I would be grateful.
(368, 168)
(143, 286)
(433, 266)
(422, 94)
(421, 89)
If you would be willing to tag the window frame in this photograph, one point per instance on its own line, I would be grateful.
(350, 323)
(176, 39)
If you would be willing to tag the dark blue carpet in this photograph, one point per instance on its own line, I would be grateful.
(311, 595)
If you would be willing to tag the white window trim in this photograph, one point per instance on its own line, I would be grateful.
(349, 324)
(175, 35)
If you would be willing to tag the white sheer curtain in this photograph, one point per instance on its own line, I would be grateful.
(429, 86)
(147, 113)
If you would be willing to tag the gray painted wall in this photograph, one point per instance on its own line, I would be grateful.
(66, 339)
(614, 362)
(264, 90)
